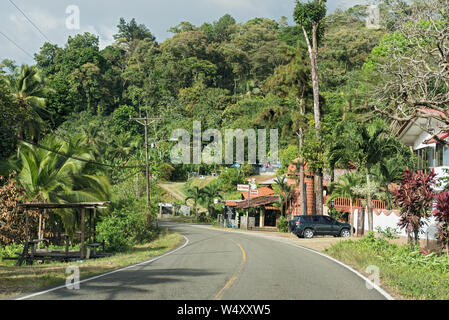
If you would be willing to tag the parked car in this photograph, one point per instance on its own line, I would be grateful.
(292, 223)
(309, 226)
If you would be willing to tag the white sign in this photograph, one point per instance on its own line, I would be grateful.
(166, 205)
(242, 187)
(254, 193)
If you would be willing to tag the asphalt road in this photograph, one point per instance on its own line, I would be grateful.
(223, 265)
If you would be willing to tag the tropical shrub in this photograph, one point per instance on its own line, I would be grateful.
(415, 197)
(441, 214)
(282, 224)
(112, 230)
(165, 171)
(124, 229)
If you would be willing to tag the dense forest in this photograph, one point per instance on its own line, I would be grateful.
(77, 100)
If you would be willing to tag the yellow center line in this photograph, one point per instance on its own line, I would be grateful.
(235, 275)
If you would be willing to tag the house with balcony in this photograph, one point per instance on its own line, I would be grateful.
(425, 136)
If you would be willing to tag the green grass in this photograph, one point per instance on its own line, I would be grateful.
(16, 280)
(201, 183)
(408, 273)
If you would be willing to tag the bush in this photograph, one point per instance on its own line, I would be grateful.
(165, 171)
(112, 230)
(337, 215)
(282, 224)
(10, 250)
(229, 179)
(124, 229)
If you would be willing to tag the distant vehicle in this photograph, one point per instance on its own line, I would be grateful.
(309, 226)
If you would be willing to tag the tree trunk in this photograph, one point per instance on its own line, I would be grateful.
(361, 222)
(369, 205)
(302, 196)
(416, 234)
(313, 53)
(351, 217)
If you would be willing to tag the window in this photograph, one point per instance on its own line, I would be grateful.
(446, 156)
(439, 155)
(326, 220)
(431, 157)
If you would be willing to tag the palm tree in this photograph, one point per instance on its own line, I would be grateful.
(122, 145)
(195, 194)
(51, 177)
(210, 193)
(285, 191)
(28, 89)
(344, 188)
(374, 145)
(389, 171)
(367, 146)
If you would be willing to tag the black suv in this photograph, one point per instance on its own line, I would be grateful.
(308, 226)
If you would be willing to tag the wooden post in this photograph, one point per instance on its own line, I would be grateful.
(82, 250)
(95, 224)
(39, 231)
(90, 226)
(27, 233)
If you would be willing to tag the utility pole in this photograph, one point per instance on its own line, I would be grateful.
(145, 122)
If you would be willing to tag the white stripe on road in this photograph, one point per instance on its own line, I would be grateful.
(287, 241)
(108, 273)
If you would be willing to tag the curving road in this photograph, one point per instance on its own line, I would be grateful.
(213, 264)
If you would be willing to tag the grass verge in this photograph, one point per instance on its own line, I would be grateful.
(406, 273)
(17, 280)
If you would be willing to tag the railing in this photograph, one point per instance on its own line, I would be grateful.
(344, 203)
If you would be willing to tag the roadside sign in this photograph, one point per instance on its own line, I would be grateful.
(254, 193)
(242, 187)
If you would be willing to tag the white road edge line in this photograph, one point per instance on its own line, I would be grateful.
(108, 273)
(375, 286)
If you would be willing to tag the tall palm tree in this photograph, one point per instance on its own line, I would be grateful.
(375, 146)
(28, 89)
(285, 190)
(344, 188)
(367, 146)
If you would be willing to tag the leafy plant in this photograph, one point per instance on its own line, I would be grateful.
(441, 214)
(282, 224)
(415, 197)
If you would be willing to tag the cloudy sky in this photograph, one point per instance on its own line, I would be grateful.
(101, 18)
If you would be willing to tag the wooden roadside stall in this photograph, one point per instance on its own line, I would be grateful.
(32, 252)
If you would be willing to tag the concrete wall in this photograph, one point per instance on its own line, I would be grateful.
(390, 218)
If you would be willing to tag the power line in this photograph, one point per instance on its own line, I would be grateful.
(14, 43)
(65, 155)
(37, 28)
(79, 159)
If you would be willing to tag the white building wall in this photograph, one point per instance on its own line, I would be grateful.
(384, 221)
